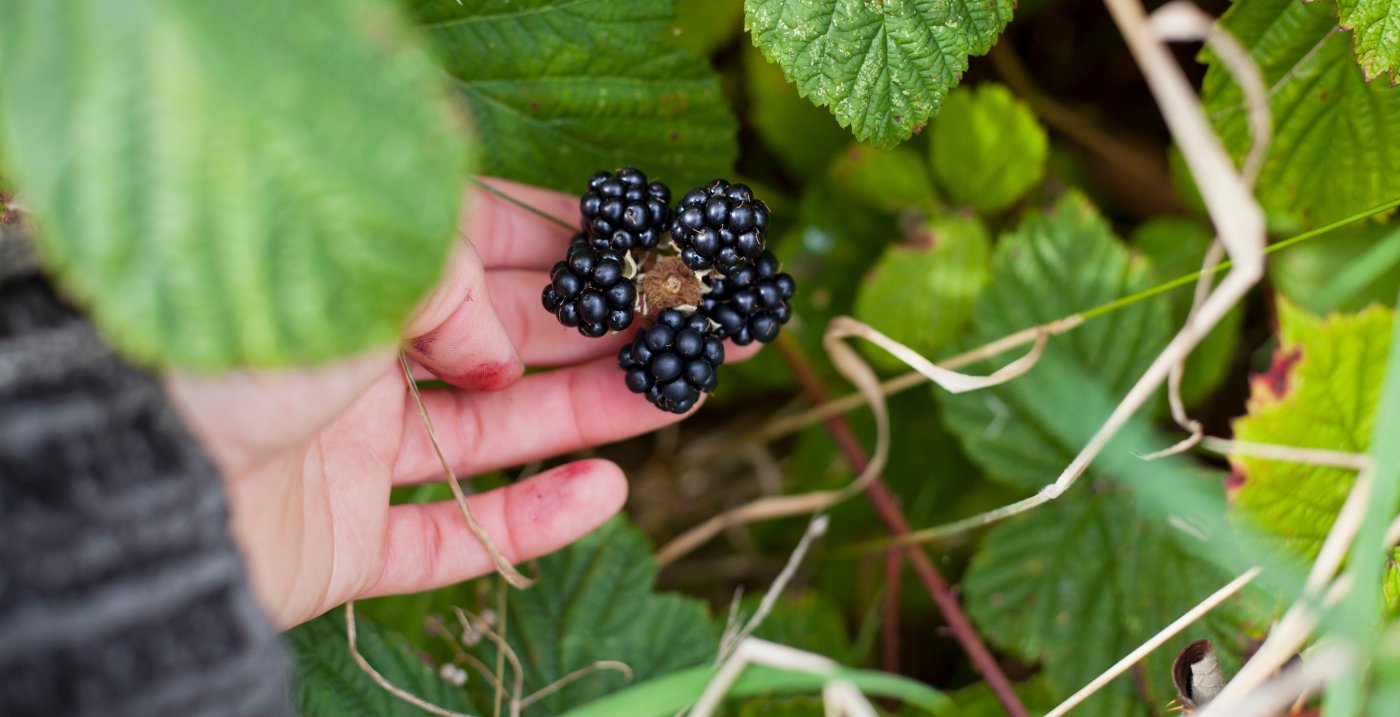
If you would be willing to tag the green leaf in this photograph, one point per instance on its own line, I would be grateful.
(567, 87)
(1333, 152)
(945, 265)
(1345, 270)
(978, 700)
(987, 148)
(1080, 582)
(1176, 248)
(800, 706)
(1376, 25)
(232, 183)
(329, 684)
(1320, 392)
(705, 26)
(1056, 264)
(889, 179)
(804, 138)
(594, 601)
(665, 696)
(882, 68)
(807, 621)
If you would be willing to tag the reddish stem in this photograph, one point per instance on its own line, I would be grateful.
(888, 509)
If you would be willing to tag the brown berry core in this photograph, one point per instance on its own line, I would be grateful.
(670, 283)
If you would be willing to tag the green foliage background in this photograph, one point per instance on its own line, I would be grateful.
(269, 184)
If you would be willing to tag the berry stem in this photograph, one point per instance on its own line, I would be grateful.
(889, 511)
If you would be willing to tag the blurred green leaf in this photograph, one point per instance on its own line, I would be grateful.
(1176, 248)
(1332, 153)
(1385, 699)
(1344, 270)
(666, 696)
(233, 184)
(802, 706)
(804, 138)
(1320, 392)
(594, 601)
(1056, 264)
(881, 68)
(705, 26)
(1080, 582)
(328, 683)
(921, 292)
(978, 700)
(564, 88)
(829, 251)
(807, 621)
(888, 179)
(1376, 25)
(987, 148)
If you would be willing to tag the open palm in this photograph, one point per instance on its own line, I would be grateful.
(309, 456)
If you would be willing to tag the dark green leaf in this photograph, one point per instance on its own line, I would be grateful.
(594, 601)
(1080, 582)
(232, 183)
(564, 88)
(882, 68)
(330, 684)
(1056, 264)
(1333, 152)
(806, 621)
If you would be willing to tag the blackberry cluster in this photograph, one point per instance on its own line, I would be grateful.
(720, 224)
(673, 361)
(588, 290)
(750, 304)
(623, 212)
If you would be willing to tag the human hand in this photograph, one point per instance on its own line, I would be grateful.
(309, 456)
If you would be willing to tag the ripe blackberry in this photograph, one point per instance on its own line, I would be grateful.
(589, 291)
(750, 304)
(720, 224)
(623, 212)
(673, 361)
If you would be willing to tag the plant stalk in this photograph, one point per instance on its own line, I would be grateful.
(889, 511)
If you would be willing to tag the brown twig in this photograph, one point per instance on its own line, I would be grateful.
(888, 509)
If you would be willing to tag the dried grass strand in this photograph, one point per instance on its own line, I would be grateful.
(503, 566)
(383, 681)
(1156, 641)
(855, 369)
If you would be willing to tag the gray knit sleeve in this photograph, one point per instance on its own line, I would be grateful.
(121, 591)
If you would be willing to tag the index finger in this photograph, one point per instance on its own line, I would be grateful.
(517, 226)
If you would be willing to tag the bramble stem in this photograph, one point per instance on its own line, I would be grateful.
(888, 509)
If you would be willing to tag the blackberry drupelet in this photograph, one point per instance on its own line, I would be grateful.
(623, 212)
(750, 304)
(673, 361)
(721, 225)
(589, 291)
